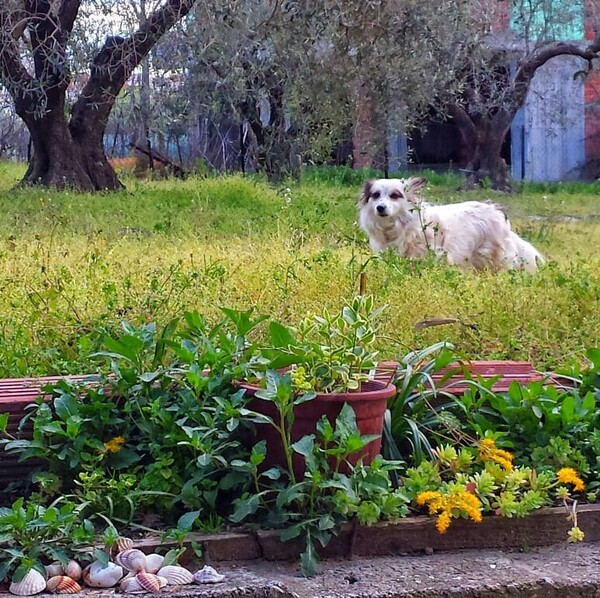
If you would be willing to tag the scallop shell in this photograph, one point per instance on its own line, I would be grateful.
(208, 575)
(132, 559)
(176, 575)
(54, 569)
(150, 582)
(131, 585)
(143, 582)
(97, 575)
(62, 584)
(154, 562)
(122, 544)
(73, 570)
(32, 583)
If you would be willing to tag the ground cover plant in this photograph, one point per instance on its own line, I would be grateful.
(168, 436)
(75, 265)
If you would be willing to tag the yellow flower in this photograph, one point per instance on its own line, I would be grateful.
(114, 445)
(458, 502)
(443, 522)
(489, 452)
(427, 497)
(567, 475)
(575, 535)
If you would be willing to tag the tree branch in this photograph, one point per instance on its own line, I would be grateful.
(68, 13)
(464, 123)
(48, 43)
(541, 56)
(117, 59)
(13, 73)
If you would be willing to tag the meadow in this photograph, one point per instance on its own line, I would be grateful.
(74, 266)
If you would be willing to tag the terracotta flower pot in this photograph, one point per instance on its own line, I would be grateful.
(369, 404)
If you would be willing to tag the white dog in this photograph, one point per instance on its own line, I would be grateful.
(469, 234)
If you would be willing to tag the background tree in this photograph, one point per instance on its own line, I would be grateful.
(294, 74)
(500, 65)
(35, 67)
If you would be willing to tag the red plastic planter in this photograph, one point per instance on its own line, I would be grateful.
(369, 404)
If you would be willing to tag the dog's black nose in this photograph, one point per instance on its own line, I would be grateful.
(381, 209)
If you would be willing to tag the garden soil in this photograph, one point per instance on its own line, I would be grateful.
(558, 571)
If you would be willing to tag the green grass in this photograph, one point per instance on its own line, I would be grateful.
(73, 265)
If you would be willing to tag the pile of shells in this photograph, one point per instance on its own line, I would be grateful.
(131, 569)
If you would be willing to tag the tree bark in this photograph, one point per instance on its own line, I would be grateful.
(483, 137)
(273, 147)
(69, 153)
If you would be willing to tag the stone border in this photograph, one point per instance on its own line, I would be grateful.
(544, 527)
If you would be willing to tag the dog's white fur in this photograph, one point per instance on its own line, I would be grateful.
(471, 234)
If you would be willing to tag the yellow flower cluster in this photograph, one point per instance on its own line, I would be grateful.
(114, 445)
(458, 500)
(488, 451)
(567, 475)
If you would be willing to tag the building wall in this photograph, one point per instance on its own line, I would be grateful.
(549, 136)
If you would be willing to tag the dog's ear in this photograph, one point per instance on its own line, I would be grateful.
(414, 183)
(365, 193)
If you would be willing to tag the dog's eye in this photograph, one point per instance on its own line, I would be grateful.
(375, 195)
(395, 195)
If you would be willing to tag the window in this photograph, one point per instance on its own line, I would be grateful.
(548, 20)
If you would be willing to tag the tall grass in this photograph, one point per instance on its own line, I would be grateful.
(73, 266)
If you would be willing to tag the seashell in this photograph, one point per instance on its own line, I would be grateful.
(176, 575)
(54, 569)
(62, 584)
(97, 575)
(73, 570)
(33, 583)
(208, 575)
(122, 544)
(143, 582)
(163, 581)
(132, 559)
(154, 562)
(131, 585)
(149, 581)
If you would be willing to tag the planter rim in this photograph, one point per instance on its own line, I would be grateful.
(369, 390)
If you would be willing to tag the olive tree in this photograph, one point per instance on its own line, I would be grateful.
(510, 41)
(297, 73)
(37, 40)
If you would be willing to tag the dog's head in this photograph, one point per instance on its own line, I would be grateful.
(389, 198)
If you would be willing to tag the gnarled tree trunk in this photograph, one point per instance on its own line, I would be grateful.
(273, 146)
(63, 160)
(484, 131)
(483, 137)
(69, 152)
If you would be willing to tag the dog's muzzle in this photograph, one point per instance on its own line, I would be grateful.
(381, 210)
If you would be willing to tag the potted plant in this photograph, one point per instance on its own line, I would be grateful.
(310, 371)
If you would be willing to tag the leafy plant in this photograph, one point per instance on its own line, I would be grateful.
(328, 352)
(479, 478)
(30, 532)
(544, 424)
(413, 411)
(159, 432)
(333, 488)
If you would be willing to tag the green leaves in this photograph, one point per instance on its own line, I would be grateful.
(30, 532)
(333, 352)
(245, 506)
